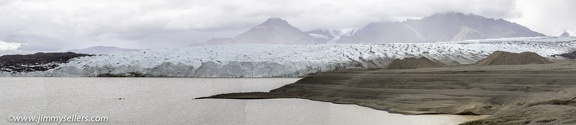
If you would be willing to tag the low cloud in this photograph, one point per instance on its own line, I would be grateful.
(9, 47)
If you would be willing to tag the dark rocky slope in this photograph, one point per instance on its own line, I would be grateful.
(35, 62)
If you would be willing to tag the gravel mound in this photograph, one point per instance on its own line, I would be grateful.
(508, 58)
(412, 63)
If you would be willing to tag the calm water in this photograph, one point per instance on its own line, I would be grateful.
(171, 101)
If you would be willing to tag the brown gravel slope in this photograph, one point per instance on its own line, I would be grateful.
(450, 90)
(507, 58)
(412, 63)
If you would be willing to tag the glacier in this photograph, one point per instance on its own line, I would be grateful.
(261, 60)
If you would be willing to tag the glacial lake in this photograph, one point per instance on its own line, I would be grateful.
(171, 101)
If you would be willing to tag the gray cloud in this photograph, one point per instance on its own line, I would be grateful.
(551, 17)
(69, 24)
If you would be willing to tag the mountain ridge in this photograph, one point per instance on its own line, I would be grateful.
(450, 26)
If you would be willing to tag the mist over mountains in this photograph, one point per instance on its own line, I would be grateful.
(101, 50)
(450, 26)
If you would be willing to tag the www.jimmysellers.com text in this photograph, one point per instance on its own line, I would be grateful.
(59, 119)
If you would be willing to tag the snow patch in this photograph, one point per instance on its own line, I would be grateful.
(321, 36)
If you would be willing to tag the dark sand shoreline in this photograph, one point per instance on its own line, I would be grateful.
(500, 91)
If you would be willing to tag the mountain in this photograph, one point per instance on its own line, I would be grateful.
(384, 32)
(439, 27)
(274, 31)
(101, 50)
(450, 26)
(331, 36)
(565, 34)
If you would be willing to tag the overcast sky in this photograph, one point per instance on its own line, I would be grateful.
(51, 25)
